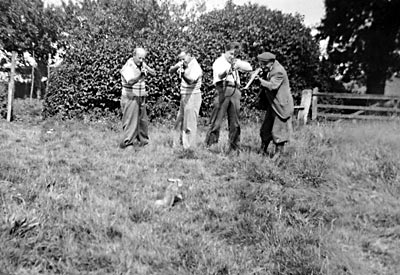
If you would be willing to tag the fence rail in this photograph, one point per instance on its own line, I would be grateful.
(363, 108)
(356, 96)
(381, 108)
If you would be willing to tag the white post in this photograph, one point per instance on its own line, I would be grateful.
(305, 103)
(32, 79)
(11, 86)
(314, 104)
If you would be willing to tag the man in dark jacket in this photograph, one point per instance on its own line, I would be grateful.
(274, 83)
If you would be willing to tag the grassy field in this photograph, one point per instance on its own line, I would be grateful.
(72, 202)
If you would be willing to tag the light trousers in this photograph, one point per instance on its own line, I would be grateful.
(186, 122)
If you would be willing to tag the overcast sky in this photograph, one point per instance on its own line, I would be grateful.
(313, 10)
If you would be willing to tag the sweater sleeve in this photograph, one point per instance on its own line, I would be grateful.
(275, 81)
(130, 74)
(193, 73)
(150, 70)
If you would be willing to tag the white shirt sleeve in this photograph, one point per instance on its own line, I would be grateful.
(219, 66)
(243, 66)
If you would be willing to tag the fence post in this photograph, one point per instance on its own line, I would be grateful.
(305, 103)
(396, 104)
(11, 87)
(32, 78)
(314, 110)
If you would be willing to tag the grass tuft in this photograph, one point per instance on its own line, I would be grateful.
(72, 202)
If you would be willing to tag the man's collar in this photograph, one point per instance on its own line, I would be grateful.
(224, 56)
(133, 62)
(272, 65)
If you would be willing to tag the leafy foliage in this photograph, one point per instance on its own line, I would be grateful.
(363, 39)
(260, 29)
(111, 18)
(89, 76)
(3, 100)
(28, 25)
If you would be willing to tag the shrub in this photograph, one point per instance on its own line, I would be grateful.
(3, 99)
(89, 76)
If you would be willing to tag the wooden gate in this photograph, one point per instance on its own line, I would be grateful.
(354, 106)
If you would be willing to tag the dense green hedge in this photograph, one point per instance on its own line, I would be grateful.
(89, 76)
(3, 100)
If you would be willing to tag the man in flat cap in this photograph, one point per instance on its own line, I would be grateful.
(227, 84)
(133, 99)
(274, 84)
(190, 72)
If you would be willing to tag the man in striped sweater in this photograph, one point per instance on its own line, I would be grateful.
(191, 74)
(133, 99)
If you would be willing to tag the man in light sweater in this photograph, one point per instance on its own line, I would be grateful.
(191, 74)
(227, 84)
(133, 99)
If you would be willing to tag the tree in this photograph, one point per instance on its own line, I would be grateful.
(100, 19)
(261, 29)
(101, 37)
(25, 25)
(364, 39)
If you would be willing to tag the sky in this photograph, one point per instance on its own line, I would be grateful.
(313, 10)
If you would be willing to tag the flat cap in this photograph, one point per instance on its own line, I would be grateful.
(266, 56)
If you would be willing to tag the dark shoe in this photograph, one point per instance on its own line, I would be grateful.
(279, 149)
(123, 145)
(263, 151)
(233, 150)
(187, 154)
(275, 157)
(264, 148)
(143, 143)
(211, 138)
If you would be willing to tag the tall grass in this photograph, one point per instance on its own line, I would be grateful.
(73, 203)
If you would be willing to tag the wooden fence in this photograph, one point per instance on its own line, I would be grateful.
(347, 106)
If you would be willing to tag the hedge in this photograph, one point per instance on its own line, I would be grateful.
(3, 99)
(89, 76)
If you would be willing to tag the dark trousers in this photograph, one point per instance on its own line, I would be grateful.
(134, 119)
(228, 103)
(274, 129)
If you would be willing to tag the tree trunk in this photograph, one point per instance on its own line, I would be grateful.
(48, 74)
(377, 52)
(11, 87)
(376, 81)
(32, 79)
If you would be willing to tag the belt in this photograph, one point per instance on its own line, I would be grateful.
(226, 84)
(136, 94)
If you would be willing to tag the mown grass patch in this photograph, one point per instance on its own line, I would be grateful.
(72, 202)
